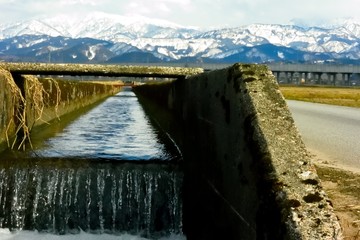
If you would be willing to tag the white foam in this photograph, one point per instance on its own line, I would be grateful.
(5, 234)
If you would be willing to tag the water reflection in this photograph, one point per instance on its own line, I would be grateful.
(116, 129)
(83, 177)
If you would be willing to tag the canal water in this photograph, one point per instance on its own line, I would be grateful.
(109, 174)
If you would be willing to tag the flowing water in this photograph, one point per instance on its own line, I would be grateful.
(117, 129)
(108, 175)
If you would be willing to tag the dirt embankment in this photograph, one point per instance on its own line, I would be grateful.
(343, 187)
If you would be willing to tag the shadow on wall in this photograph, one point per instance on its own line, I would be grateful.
(247, 172)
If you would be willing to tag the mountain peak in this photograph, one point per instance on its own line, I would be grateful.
(167, 40)
(102, 17)
(99, 25)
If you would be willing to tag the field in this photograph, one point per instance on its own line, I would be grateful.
(343, 187)
(349, 97)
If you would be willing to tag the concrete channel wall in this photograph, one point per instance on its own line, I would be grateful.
(247, 172)
(27, 102)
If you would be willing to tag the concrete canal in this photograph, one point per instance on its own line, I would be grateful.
(216, 155)
(84, 177)
(116, 129)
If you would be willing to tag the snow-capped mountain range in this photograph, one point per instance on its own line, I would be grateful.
(100, 37)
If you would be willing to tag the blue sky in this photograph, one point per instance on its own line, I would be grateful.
(200, 13)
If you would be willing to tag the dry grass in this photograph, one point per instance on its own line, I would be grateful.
(35, 94)
(19, 113)
(349, 97)
(58, 96)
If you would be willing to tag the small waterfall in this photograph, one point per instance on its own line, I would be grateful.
(69, 196)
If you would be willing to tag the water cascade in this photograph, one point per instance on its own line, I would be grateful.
(64, 196)
(107, 172)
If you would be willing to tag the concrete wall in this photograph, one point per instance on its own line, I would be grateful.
(28, 102)
(60, 97)
(247, 172)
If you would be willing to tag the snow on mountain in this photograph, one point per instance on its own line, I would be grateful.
(313, 39)
(32, 27)
(169, 41)
(97, 25)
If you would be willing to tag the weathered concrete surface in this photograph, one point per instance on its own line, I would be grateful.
(247, 172)
(99, 70)
(60, 97)
(28, 102)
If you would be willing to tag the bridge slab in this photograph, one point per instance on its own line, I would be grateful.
(99, 70)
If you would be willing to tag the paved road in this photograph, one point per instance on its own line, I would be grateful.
(332, 132)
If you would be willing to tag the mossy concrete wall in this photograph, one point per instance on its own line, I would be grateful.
(247, 172)
(60, 97)
(28, 102)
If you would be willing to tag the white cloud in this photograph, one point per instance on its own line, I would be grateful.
(155, 8)
(203, 13)
(78, 2)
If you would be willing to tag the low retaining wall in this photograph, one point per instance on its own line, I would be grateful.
(28, 102)
(60, 97)
(247, 172)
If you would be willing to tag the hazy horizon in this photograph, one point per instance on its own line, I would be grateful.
(194, 13)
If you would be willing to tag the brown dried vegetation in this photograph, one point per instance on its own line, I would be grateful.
(349, 97)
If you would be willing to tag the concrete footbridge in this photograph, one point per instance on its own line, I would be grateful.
(247, 173)
(99, 70)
